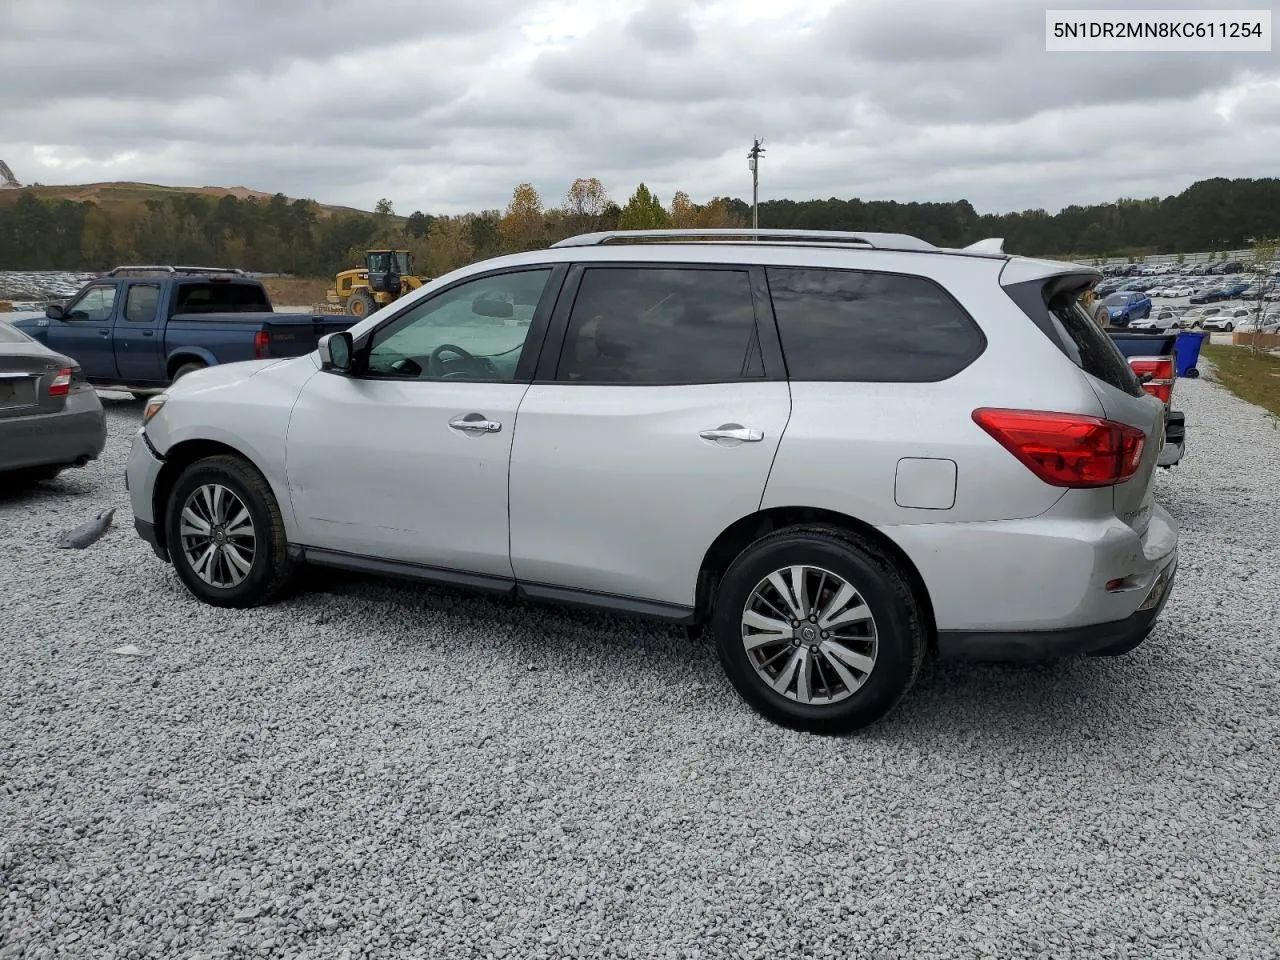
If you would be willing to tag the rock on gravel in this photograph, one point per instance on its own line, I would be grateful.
(373, 770)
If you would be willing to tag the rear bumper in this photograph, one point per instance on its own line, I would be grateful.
(75, 434)
(1041, 646)
(1175, 439)
(1043, 575)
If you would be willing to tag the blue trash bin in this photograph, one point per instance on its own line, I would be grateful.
(1186, 351)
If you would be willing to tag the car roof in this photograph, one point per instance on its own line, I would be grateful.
(819, 248)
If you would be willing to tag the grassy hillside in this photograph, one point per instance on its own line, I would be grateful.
(127, 194)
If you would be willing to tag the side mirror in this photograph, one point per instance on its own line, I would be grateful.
(54, 311)
(336, 350)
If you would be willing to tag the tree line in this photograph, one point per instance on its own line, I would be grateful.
(299, 237)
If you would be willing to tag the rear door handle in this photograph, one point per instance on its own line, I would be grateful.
(733, 431)
(104, 333)
(475, 423)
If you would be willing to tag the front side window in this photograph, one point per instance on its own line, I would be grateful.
(95, 305)
(654, 325)
(851, 325)
(474, 331)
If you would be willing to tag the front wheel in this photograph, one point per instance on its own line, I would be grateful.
(226, 535)
(1229, 327)
(818, 630)
(361, 304)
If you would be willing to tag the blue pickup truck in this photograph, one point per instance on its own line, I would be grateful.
(141, 328)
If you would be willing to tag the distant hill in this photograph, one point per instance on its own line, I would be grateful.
(125, 193)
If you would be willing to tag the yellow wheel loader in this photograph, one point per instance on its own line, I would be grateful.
(386, 276)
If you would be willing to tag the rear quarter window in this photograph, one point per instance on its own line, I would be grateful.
(853, 325)
(220, 297)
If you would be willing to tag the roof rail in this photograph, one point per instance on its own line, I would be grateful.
(165, 268)
(874, 241)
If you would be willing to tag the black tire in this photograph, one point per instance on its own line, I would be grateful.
(271, 569)
(186, 368)
(900, 629)
(1229, 327)
(361, 304)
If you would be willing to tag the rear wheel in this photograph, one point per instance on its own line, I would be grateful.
(360, 304)
(818, 630)
(226, 535)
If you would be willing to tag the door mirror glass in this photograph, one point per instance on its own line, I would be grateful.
(53, 311)
(336, 350)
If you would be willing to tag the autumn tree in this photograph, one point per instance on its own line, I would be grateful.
(1263, 256)
(448, 246)
(643, 212)
(585, 203)
(684, 213)
(523, 224)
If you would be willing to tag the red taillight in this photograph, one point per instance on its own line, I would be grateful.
(260, 341)
(1160, 369)
(1066, 449)
(61, 385)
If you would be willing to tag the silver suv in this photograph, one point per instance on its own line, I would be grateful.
(833, 450)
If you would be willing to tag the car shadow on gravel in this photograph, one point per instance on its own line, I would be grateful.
(1068, 700)
(62, 486)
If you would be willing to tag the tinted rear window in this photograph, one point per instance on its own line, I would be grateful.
(861, 326)
(220, 297)
(1092, 350)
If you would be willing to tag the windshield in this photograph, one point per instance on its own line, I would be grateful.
(1116, 300)
(385, 261)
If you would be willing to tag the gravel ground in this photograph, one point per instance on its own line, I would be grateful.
(374, 770)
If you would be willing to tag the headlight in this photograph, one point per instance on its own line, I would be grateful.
(153, 407)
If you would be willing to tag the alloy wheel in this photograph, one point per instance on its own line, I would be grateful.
(218, 538)
(809, 635)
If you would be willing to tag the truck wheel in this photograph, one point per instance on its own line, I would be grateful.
(361, 304)
(226, 534)
(186, 368)
(817, 629)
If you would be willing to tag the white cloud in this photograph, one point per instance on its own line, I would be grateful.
(453, 103)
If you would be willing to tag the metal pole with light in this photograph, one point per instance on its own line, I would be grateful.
(753, 159)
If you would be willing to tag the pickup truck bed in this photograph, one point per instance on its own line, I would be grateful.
(140, 334)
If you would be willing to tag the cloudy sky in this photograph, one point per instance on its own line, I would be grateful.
(444, 105)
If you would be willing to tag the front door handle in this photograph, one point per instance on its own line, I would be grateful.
(733, 431)
(475, 423)
(104, 333)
